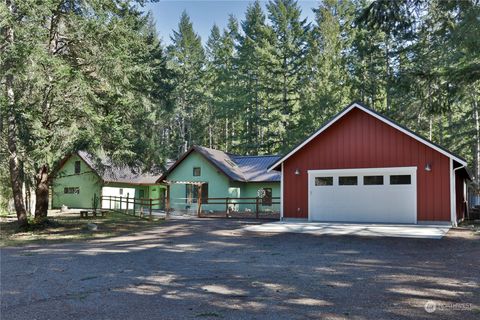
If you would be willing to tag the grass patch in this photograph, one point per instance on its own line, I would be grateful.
(70, 227)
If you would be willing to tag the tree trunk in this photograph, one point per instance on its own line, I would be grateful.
(41, 193)
(13, 160)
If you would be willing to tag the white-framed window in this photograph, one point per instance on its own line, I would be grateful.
(348, 181)
(323, 181)
(400, 179)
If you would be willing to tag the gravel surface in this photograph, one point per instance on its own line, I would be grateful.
(212, 269)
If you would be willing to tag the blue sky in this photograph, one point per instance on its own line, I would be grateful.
(205, 13)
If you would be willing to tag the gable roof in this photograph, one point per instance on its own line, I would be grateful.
(111, 173)
(235, 167)
(380, 117)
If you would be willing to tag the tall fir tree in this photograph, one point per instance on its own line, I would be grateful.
(254, 47)
(328, 88)
(187, 61)
(287, 67)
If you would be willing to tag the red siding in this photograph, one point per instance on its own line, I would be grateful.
(359, 140)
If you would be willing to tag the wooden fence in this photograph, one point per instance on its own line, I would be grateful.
(230, 202)
(141, 207)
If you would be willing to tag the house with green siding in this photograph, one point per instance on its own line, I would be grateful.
(80, 181)
(221, 175)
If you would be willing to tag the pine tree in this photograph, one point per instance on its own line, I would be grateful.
(328, 88)
(254, 47)
(187, 60)
(287, 63)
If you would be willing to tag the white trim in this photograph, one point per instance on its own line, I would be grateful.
(355, 105)
(281, 195)
(453, 213)
(453, 193)
(362, 171)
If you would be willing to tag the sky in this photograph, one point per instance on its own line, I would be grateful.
(205, 13)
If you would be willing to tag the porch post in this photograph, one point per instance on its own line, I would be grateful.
(199, 200)
(167, 199)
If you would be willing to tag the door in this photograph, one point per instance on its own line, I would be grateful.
(381, 195)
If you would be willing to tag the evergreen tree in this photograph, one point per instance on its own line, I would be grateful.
(328, 88)
(70, 83)
(287, 63)
(254, 47)
(187, 60)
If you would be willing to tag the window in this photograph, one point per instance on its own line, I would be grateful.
(348, 181)
(120, 192)
(191, 193)
(141, 193)
(372, 180)
(324, 181)
(197, 171)
(267, 197)
(77, 167)
(71, 190)
(401, 179)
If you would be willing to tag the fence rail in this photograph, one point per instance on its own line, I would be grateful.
(230, 203)
(133, 206)
(229, 206)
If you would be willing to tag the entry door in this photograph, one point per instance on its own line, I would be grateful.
(381, 195)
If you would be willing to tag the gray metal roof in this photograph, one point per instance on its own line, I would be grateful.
(255, 168)
(236, 167)
(119, 174)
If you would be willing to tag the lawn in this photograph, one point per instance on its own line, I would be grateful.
(70, 227)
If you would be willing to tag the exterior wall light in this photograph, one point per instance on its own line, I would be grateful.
(297, 172)
(428, 167)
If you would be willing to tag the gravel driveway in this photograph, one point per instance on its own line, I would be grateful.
(212, 269)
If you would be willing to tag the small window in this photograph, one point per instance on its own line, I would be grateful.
(372, 180)
(77, 167)
(120, 192)
(324, 181)
(401, 179)
(348, 181)
(197, 172)
(267, 197)
(71, 190)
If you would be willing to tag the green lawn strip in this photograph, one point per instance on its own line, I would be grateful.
(71, 228)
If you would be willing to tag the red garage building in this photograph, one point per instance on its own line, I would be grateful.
(363, 167)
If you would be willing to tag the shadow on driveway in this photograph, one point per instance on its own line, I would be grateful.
(212, 268)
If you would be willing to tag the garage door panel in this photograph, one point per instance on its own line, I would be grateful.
(384, 203)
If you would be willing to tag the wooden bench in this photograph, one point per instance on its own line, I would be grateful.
(94, 213)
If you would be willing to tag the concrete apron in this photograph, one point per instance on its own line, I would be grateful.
(353, 229)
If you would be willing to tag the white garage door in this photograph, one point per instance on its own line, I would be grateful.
(383, 195)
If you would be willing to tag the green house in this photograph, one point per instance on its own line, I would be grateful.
(220, 175)
(80, 182)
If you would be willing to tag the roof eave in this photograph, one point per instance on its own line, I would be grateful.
(379, 117)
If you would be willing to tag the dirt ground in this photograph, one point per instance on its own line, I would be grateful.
(212, 269)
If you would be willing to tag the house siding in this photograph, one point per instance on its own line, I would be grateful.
(250, 190)
(87, 181)
(219, 186)
(218, 183)
(359, 140)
